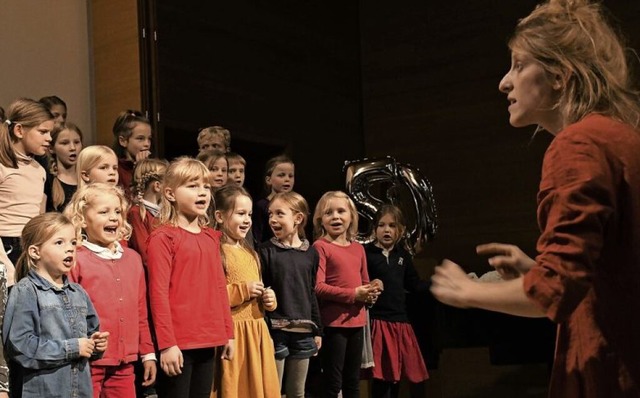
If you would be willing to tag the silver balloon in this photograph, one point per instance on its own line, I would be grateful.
(374, 182)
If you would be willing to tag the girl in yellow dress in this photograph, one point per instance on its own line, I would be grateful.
(252, 371)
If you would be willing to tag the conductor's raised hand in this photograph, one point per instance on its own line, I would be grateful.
(508, 260)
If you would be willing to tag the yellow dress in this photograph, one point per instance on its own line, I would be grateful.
(252, 371)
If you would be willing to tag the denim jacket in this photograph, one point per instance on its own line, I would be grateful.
(41, 329)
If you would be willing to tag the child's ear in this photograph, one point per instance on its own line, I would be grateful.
(18, 130)
(85, 176)
(34, 252)
(218, 216)
(123, 141)
(267, 179)
(157, 186)
(168, 193)
(297, 218)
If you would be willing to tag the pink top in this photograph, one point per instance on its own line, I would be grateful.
(21, 195)
(341, 269)
(118, 292)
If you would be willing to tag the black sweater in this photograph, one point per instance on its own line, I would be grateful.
(291, 273)
(399, 277)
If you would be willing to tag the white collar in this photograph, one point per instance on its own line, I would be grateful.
(104, 252)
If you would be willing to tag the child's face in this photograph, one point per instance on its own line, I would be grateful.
(67, 147)
(191, 199)
(36, 140)
(282, 178)
(282, 220)
(58, 254)
(103, 219)
(336, 218)
(59, 113)
(213, 142)
(219, 172)
(139, 143)
(236, 223)
(105, 171)
(236, 173)
(387, 231)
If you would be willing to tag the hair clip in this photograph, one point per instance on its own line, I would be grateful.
(8, 122)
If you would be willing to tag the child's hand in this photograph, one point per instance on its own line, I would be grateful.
(171, 361)
(255, 288)
(101, 339)
(150, 371)
(318, 341)
(142, 155)
(269, 298)
(362, 292)
(86, 347)
(4, 394)
(228, 350)
(377, 284)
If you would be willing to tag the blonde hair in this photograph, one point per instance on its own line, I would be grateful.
(89, 158)
(180, 172)
(27, 113)
(145, 172)
(213, 131)
(36, 232)
(57, 192)
(323, 205)
(297, 204)
(84, 197)
(572, 39)
(225, 200)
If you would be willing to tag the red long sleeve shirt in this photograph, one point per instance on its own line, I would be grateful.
(587, 277)
(188, 288)
(340, 270)
(140, 231)
(118, 291)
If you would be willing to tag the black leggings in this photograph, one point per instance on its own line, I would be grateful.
(196, 378)
(341, 359)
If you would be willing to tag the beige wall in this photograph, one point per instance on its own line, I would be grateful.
(44, 46)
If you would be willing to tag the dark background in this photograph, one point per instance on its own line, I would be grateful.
(333, 81)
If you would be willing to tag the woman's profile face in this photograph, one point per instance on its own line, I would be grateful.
(532, 94)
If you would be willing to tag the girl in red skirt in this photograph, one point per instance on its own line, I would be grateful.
(395, 349)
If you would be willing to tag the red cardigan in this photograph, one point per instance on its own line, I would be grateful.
(341, 269)
(118, 292)
(188, 288)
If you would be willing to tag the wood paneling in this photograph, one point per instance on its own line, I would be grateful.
(116, 56)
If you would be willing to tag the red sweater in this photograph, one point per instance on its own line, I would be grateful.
(341, 269)
(118, 292)
(188, 288)
(125, 175)
(140, 231)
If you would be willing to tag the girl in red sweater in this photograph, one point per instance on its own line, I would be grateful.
(147, 184)
(187, 285)
(343, 288)
(114, 278)
(132, 143)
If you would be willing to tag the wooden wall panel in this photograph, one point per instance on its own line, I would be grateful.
(116, 56)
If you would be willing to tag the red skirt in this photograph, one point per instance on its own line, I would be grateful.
(396, 353)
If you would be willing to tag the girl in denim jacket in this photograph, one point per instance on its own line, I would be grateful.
(50, 326)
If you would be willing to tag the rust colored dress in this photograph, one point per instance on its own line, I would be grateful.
(587, 277)
(252, 371)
